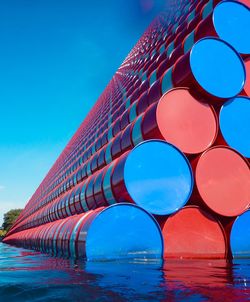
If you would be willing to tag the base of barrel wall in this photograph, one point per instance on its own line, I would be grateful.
(121, 231)
(193, 233)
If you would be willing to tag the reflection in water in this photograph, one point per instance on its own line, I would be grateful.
(208, 280)
(30, 276)
(132, 281)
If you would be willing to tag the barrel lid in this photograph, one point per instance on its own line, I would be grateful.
(185, 121)
(223, 181)
(193, 233)
(158, 177)
(217, 67)
(232, 23)
(124, 231)
(235, 124)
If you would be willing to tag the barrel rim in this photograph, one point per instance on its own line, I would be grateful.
(236, 54)
(139, 208)
(208, 104)
(192, 181)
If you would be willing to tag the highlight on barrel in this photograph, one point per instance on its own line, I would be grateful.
(193, 233)
(232, 24)
(158, 177)
(223, 181)
(240, 236)
(235, 124)
(124, 231)
(217, 67)
(185, 121)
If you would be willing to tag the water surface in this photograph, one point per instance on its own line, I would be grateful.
(30, 276)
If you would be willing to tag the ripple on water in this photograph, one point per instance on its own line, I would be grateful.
(31, 276)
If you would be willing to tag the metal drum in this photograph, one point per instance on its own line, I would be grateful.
(186, 122)
(235, 124)
(232, 24)
(212, 67)
(158, 177)
(223, 180)
(124, 231)
(193, 233)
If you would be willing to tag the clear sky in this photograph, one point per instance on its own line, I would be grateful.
(56, 57)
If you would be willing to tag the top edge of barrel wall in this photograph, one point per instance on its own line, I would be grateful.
(120, 88)
(72, 139)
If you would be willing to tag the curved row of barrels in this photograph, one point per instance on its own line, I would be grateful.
(170, 135)
(126, 231)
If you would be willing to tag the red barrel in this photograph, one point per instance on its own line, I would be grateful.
(223, 181)
(246, 2)
(193, 233)
(186, 121)
(247, 84)
(59, 224)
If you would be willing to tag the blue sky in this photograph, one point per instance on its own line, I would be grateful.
(56, 57)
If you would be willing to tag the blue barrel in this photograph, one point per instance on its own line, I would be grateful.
(158, 177)
(240, 236)
(235, 124)
(124, 231)
(232, 24)
(217, 68)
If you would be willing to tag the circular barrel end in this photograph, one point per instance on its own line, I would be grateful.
(240, 236)
(185, 121)
(223, 181)
(192, 233)
(124, 231)
(235, 124)
(217, 68)
(158, 177)
(232, 23)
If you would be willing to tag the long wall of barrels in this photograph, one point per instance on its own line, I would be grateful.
(160, 166)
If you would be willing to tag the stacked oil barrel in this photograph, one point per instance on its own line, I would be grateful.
(160, 166)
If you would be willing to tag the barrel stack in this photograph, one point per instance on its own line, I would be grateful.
(160, 166)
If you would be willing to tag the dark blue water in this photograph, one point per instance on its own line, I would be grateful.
(31, 276)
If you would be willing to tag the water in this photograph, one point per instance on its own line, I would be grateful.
(30, 276)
